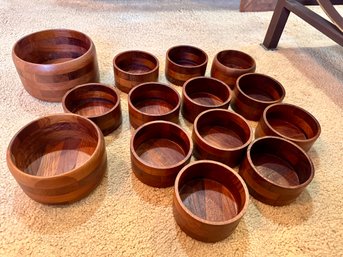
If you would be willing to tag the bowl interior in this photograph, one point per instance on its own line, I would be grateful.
(211, 192)
(187, 56)
(52, 46)
(235, 59)
(136, 62)
(54, 145)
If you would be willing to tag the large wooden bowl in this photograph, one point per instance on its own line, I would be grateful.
(209, 200)
(97, 102)
(153, 101)
(290, 122)
(276, 170)
(159, 150)
(51, 62)
(58, 159)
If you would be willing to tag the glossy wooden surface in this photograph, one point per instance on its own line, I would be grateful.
(58, 158)
(51, 62)
(209, 200)
(222, 136)
(203, 93)
(276, 171)
(228, 65)
(132, 68)
(183, 63)
(290, 122)
(159, 149)
(253, 93)
(153, 101)
(97, 102)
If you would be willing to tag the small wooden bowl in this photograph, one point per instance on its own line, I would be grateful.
(228, 65)
(153, 101)
(221, 135)
(203, 93)
(51, 62)
(276, 170)
(97, 102)
(253, 93)
(58, 159)
(185, 62)
(290, 122)
(132, 68)
(209, 200)
(159, 149)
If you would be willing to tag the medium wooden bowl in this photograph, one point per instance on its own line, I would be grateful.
(276, 170)
(51, 62)
(132, 68)
(228, 65)
(185, 62)
(253, 93)
(153, 101)
(290, 122)
(97, 102)
(203, 93)
(58, 159)
(209, 200)
(159, 149)
(221, 135)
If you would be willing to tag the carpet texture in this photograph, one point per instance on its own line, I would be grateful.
(123, 217)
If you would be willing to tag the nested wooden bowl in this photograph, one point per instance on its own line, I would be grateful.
(132, 68)
(185, 62)
(153, 101)
(51, 62)
(159, 149)
(276, 170)
(209, 200)
(290, 122)
(97, 102)
(203, 93)
(228, 65)
(221, 135)
(253, 93)
(58, 159)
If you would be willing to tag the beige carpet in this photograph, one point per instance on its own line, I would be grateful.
(123, 217)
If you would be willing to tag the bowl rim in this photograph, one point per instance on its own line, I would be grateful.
(252, 67)
(184, 66)
(208, 222)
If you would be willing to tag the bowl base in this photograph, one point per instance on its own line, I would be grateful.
(205, 98)
(288, 129)
(93, 107)
(154, 106)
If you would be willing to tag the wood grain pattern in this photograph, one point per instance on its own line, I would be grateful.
(58, 158)
(257, 6)
(51, 62)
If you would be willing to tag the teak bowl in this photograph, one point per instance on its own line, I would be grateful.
(58, 158)
(132, 68)
(253, 93)
(203, 93)
(228, 65)
(209, 200)
(153, 101)
(185, 62)
(51, 62)
(276, 170)
(290, 122)
(97, 102)
(222, 136)
(159, 149)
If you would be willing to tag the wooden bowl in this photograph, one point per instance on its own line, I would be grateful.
(253, 93)
(185, 62)
(97, 102)
(209, 200)
(290, 122)
(51, 62)
(159, 149)
(276, 170)
(203, 93)
(132, 68)
(58, 158)
(153, 101)
(221, 135)
(228, 65)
